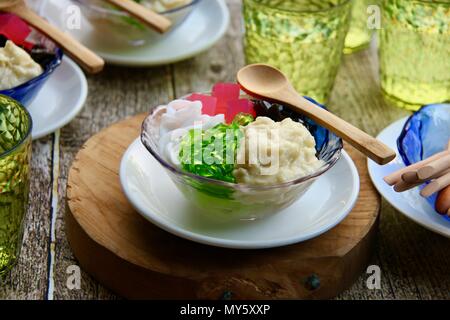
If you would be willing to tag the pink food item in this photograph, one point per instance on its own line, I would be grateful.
(225, 100)
(235, 107)
(14, 29)
(209, 103)
(225, 92)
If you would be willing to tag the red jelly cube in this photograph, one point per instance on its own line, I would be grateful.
(209, 103)
(221, 107)
(238, 106)
(251, 109)
(14, 29)
(226, 91)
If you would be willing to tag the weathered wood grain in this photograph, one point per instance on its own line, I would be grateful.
(414, 261)
(130, 247)
(115, 94)
(28, 280)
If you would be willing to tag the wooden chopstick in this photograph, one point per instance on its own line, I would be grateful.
(436, 185)
(394, 177)
(402, 186)
(413, 178)
(410, 177)
(433, 168)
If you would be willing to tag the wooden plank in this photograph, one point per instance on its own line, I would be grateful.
(28, 280)
(115, 94)
(356, 97)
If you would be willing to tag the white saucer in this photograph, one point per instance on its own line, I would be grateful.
(410, 203)
(201, 30)
(156, 198)
(60, 99)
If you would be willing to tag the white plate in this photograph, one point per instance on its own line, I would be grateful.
(410, 203)
(60, 99)
(201, 30)
(156, 198)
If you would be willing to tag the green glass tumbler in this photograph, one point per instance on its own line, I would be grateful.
(15, 153)
(303, 38)
(359, 34)
(415, 52)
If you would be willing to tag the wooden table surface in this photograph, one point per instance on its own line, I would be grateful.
(414, 262)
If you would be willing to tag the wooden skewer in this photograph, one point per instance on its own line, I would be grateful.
(394, 177)
(433, 168)
(448, 145)
(436, 185)
(407, 185)
(410, 177)
(145, 15)
(402, 186)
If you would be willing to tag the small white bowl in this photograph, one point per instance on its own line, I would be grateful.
(154, 195)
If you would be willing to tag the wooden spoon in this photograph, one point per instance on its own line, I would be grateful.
(87, 59)
(266, 82)
(147, 16)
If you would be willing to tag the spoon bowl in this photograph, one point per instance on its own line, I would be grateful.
(261, 78)
(266, 82)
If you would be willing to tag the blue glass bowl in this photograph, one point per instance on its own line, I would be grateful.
(425, 133)
(26, 92)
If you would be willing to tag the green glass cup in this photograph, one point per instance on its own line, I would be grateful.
(303, 38)
(415, 52)
(15, 153)
(359, 34)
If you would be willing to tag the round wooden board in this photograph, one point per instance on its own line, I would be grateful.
(137, 260)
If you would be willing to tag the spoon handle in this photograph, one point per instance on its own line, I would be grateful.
(371, 147)
(87, 59)
(147, 16)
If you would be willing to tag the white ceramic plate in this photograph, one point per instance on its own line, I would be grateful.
(60, 99)
(410, 203)
(156, 198)
(201, 30)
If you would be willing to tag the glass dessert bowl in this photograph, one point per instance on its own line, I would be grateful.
(29, 50)
(225, 196)
(116, 27)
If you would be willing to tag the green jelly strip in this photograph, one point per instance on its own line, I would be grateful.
(212, 153)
